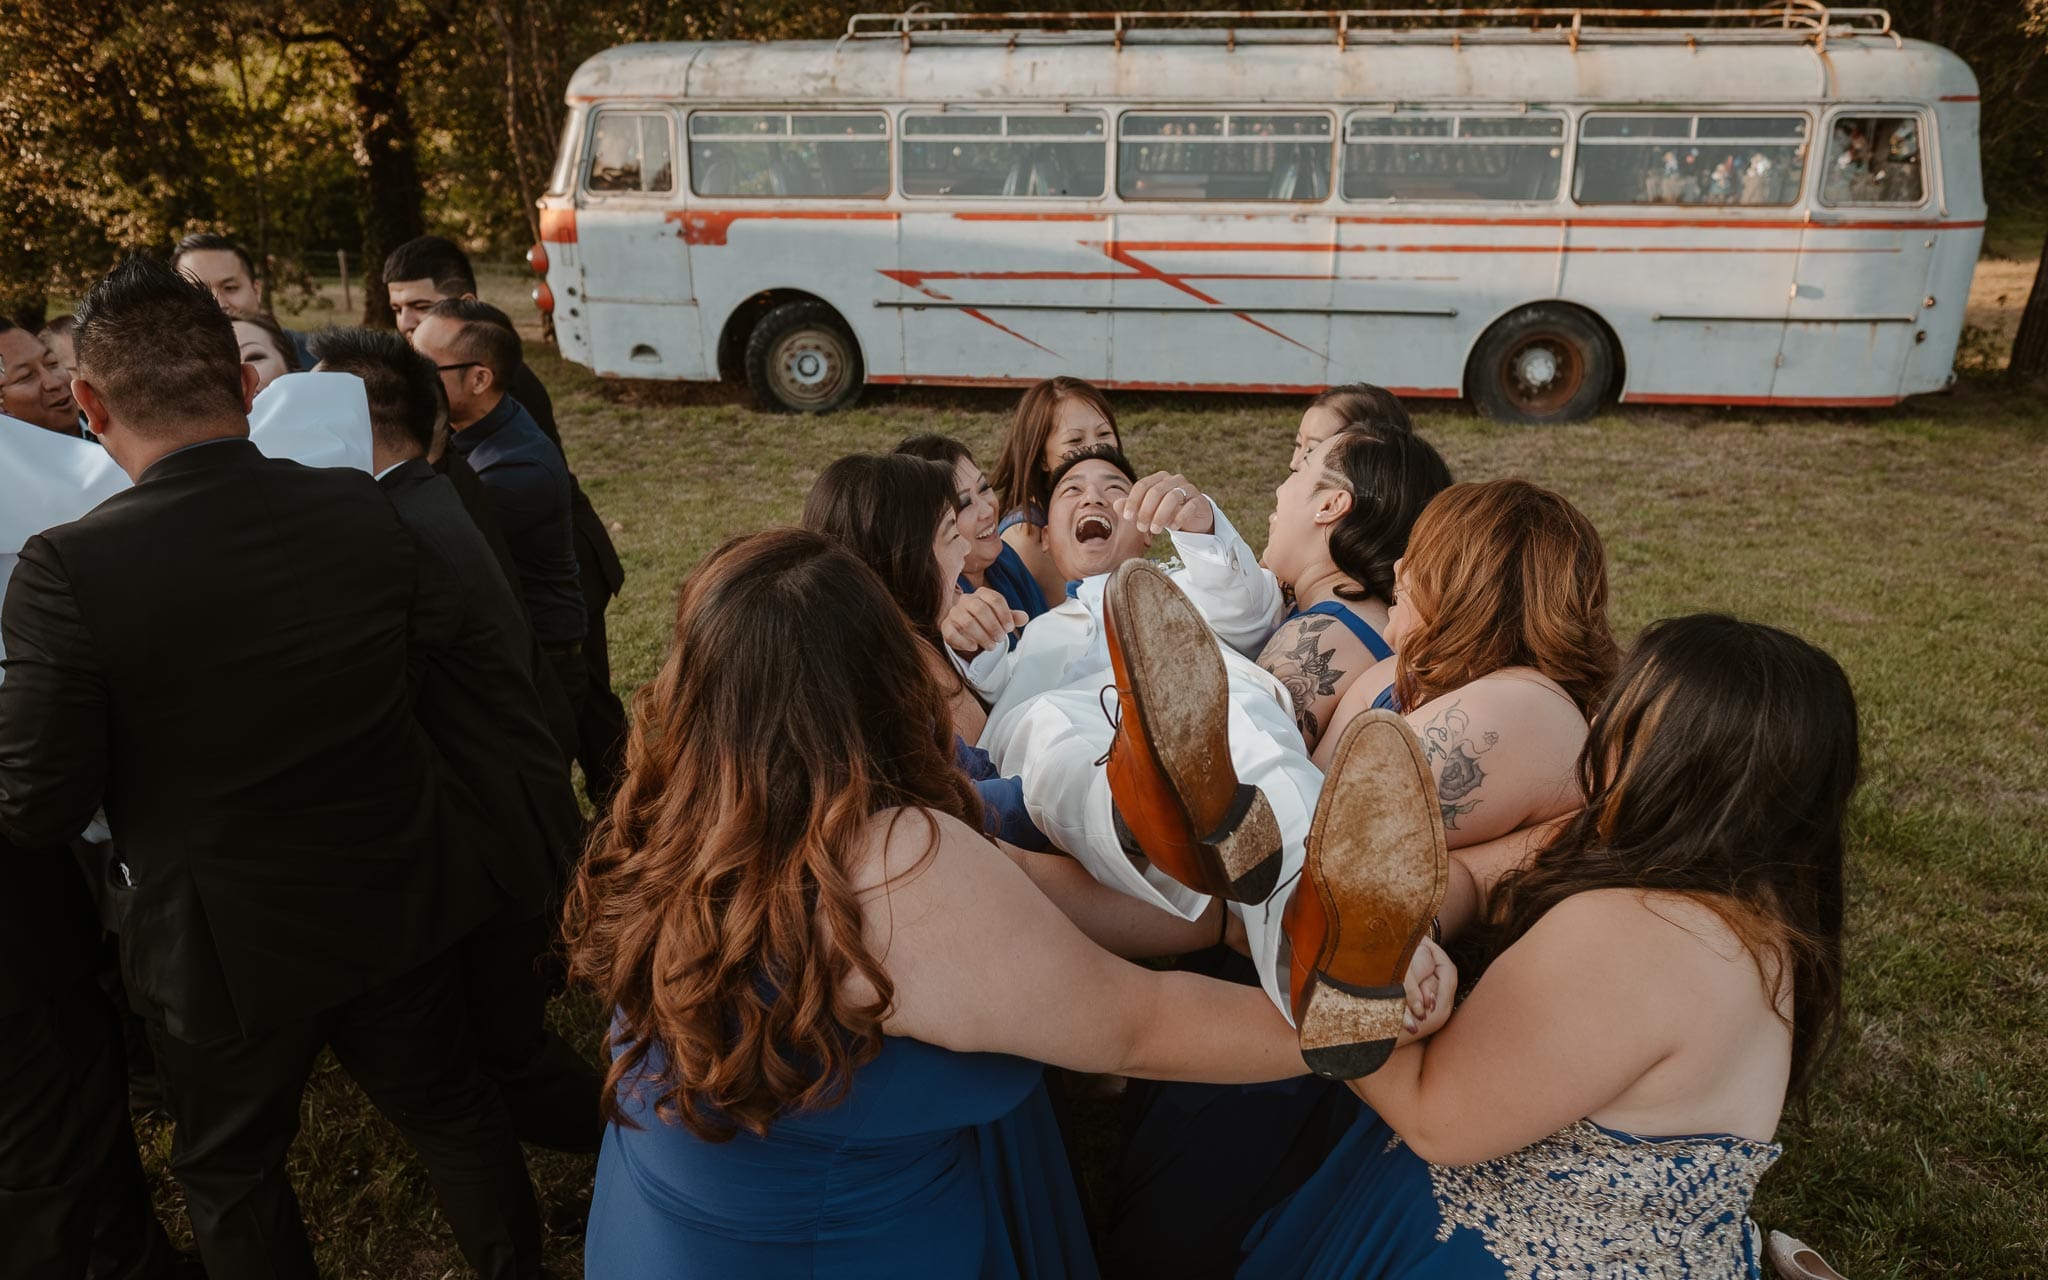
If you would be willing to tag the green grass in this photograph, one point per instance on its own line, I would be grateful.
(1911, 543)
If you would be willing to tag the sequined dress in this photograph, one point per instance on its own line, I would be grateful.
(1584, 1202)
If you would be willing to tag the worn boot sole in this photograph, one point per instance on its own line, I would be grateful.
(1373, 880)
(1169, 769)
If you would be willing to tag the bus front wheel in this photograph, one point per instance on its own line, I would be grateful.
(1542, 364)
(801, 358)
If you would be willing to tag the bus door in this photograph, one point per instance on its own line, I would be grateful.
(1863, 263)
(1205, 297)
(1002, 271)
(636, 268)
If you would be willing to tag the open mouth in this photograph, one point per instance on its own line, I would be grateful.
(1093, 528)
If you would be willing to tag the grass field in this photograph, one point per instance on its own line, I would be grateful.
(1912, 543)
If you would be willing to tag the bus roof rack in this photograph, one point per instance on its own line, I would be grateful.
(1799, 21)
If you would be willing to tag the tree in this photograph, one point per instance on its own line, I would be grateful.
(376, 41)
(2030, 345)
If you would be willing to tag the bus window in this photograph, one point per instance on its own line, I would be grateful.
(1219, 156)
(972, 154)
(1686, 159)
(797, 155)
(1451, 157)
(629, 152)
(1873, 160)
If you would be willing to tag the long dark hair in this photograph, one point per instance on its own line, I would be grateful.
(886, 508)
(1021, 479)
(1719, 767)
(1391, 476)
(716, 912)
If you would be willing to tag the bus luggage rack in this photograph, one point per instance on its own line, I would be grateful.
(1799, 21)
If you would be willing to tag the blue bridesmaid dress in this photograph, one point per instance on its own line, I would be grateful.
(1014, 583)
(1586, 1201)
(936, 1164)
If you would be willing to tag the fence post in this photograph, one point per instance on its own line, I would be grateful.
(347, 307)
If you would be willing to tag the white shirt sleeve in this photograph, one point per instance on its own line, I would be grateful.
(987, 673)
(1239, 597)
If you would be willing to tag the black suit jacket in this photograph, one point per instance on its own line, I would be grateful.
(221, 653)
(597, 559)
(49, 933)
(477, 687)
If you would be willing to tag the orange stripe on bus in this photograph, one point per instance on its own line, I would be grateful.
(1029, 217)
(710, 227)
(1764, 402)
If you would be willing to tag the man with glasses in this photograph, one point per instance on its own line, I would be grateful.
(473, 346)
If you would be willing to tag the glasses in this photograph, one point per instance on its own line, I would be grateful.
(466, 364)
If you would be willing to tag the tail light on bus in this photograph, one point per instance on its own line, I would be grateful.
(537, 258)
(544, 298)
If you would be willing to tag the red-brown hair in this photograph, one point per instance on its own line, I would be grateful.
(1504, 574)
(1021, 479)
(716, 913)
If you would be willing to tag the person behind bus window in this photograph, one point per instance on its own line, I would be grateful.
(993, 565)
(265, 348)
(831, 996)
(1560, 1118)
(1055, 418)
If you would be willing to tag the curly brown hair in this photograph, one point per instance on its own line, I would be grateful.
(1505, 574)
(716, 913)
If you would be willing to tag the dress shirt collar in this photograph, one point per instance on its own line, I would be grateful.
(487, 426)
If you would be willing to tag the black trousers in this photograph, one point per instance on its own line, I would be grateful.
(601, 717)
(407, 1043)
(73, 1199)
(550, 1090)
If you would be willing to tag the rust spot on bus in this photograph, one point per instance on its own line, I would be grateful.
(558, 226)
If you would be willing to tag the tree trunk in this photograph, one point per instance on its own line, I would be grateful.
(393, 201)
(2030, 346)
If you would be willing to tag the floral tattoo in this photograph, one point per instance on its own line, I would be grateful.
(1447, 742)
(1304, 667)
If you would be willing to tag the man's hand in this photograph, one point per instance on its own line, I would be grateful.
(979, 621)
(1165, 500)
(1432, 988)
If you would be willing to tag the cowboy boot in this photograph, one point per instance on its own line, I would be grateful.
(1170, 775)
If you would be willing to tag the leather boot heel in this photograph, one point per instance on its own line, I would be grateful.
(1348, 1032)
(1247, 846)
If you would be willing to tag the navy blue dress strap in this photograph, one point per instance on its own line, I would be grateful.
(1357, 626)
(1387, 701)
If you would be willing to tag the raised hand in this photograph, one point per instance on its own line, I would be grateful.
(979, 621)
(1167, 500)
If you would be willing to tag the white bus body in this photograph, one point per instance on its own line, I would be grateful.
(1535, 219)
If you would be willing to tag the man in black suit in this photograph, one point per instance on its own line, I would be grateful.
(478, 699)
(220, 656)
(73, 1200)
(429, 270)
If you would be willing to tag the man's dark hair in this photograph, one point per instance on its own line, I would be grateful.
(486, 336)
(158, 348)
(435, 259)
(401, 385)
(1391, 475)
(935, 448)
(7, 326)
(58, 326)
(199, 241)
(1104, 452)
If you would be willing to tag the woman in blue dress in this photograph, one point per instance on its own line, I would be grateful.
(1054, 418)
(1653, 983)
(830, 990)
(992, 564)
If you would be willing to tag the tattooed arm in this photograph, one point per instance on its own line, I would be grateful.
(1302, 655)
(1504, 753)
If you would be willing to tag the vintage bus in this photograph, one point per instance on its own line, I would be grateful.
(1539, 209)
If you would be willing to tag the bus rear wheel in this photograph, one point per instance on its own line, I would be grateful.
(1541, 364)
(801, 358)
